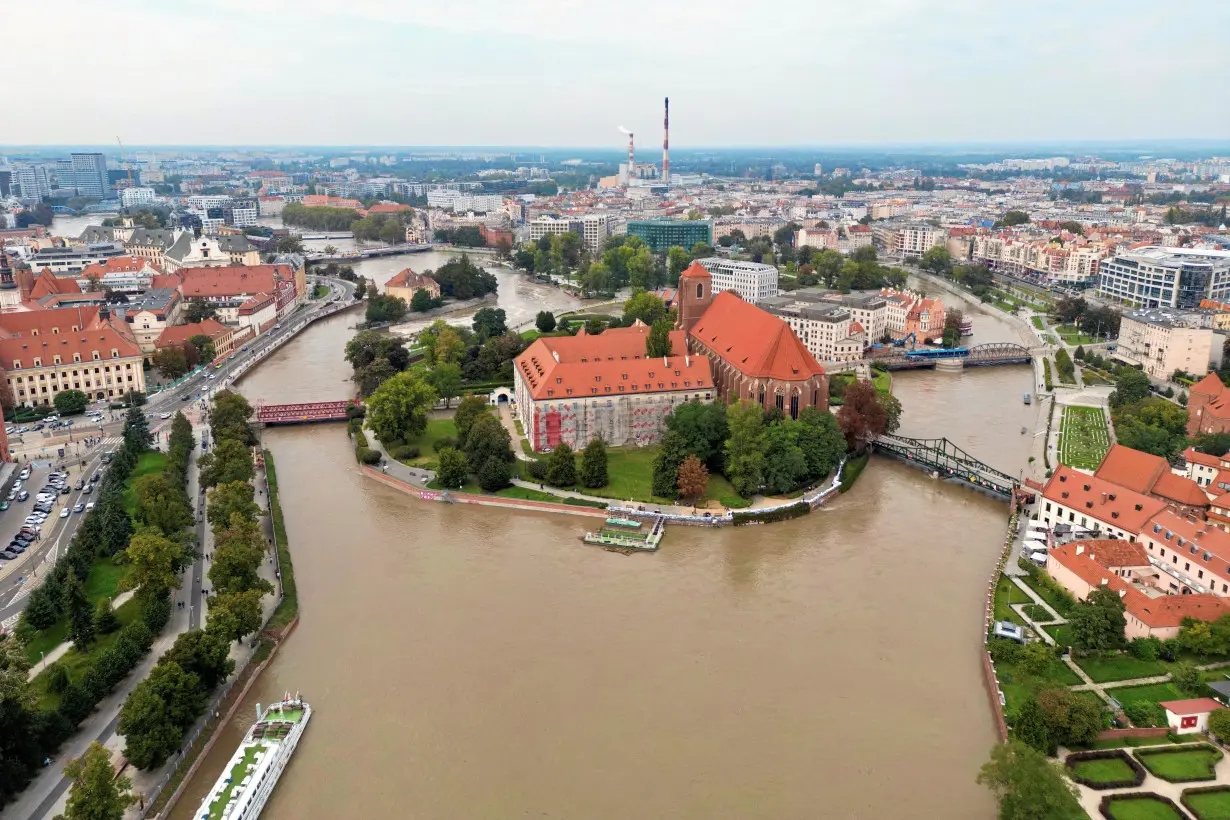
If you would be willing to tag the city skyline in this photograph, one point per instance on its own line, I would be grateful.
(324, 73)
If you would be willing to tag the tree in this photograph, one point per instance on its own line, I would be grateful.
(693, 478)
(156, 563)
(369, 346)
(235, 614)
(937, 260)
(200, 310)
(494, 474)
(821, 440)
(676, 260)
(232, 498)
(594, 325)
(422, 301)
(545, 321)
(171, 362)
(1097, 623)
(453, 469)
(702, 427)
(469, 409)
(1027, 786)
(384, 308)
(360, 289)
(862, 417)
(43, 609)
(149, 733)
(644, 306)
(239, 551)
(593, 464)
(1070, 718)
(561, 467)
(785, 465)
(489, 322)
(488, 438)
(137, 437)
(398, 408)
(1213, 444)
(96, 793)
(1219, 724)
(105, 621)
(80, 614)
(1186, 676)
(892, 411)
(1030, 727)
(701, 250)
(446, 379)
(744, 448)
(1131, 386)
(658, 342)
(161, 504)
(203, 654)
(228, 418)
(1011, 218)
(671, 453)
(228, 461)
(70, 402)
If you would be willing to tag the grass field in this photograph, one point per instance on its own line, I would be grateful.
(630, 471)
(1106, 770)
(151, 462)
(1007, 593)
(1060, 632)
(436, 429)
(104, 582)
(1141, 808)
(1151, 693)
(77, 662)
(1119, 667)
(1073, 336)
(1037, 320)
(1210, 805)
(882, 380)
(1083, 437)
(1180, 765)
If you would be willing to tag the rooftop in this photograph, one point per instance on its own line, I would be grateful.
(754, 341)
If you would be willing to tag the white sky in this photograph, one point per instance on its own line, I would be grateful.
(568, 72)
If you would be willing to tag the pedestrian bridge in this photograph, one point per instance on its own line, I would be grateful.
(302, 413)
(948, 460)
(984, 355)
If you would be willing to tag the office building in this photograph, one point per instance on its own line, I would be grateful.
(663, 234)
(550, 226)
(751, 280)
(91, 175)
(133, 197)
(1157, 277)
(595, 228)
(32, 183)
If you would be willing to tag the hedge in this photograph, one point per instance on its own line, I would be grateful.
(769, 517)
(1141, 754)
(1106, 754)
(1200, 790)
(1104, 805)
(854, 468)
(366, 455)
(404, 453)
(581, 502)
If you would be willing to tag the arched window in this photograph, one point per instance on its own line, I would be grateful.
(700, 290)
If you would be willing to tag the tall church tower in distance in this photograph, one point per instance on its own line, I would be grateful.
(694, 296)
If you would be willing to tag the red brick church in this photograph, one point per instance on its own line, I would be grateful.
(753, 354)
(1208, 407)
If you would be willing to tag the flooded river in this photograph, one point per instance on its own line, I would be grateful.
(484, 664)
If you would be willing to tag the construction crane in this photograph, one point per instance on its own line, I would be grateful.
(124, 160)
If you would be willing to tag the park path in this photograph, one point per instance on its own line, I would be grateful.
(1091, 798)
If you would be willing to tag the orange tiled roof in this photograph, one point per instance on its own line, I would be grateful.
(179, 334)
(56, 336)
(1102, 500)
(754, 341)
(116, 264)
(408, 278)
(1199, 539)
(1181, 489)
(1210, 385)
(1131, 468)
(612, 363)
(48, 284)
(1194, 456)
(234, 280)
(1193, 706)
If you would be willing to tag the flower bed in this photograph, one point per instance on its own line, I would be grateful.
(1208, 802)
(1105, 769)
(1181, 764)
(1140, 806)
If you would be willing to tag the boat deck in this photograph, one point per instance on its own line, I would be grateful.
(238, 772)
(262, 739)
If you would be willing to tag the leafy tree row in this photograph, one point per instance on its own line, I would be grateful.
(319, 218)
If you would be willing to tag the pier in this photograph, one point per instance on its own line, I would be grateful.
(621, 533)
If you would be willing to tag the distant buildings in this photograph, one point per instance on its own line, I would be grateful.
(404, 284)
(135, 197)
(753, 281)
(90, 175)
(1162, 342)
(663, 234)
(1154, 277)
(64, 261)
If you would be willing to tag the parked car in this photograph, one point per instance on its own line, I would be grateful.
(65, 490)
(23, 495)
(165, 416)
(4, 505)
(37, 427)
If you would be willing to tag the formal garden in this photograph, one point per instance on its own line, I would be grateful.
(1083, 437)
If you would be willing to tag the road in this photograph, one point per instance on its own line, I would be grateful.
(46, 794)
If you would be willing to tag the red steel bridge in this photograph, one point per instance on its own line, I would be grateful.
(302, 413)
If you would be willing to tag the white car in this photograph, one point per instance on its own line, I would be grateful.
(89, 506)
(165, 416)
(64, 513)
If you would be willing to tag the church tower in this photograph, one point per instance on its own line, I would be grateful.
(694, 296)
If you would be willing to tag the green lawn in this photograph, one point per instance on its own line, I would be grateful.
(1007, 593)
(1105, 770)
(1060, 632)
(630, 473)
(1048, 593)
(1119, 667)
(436, 430)
(151, 462)
(514, 491)
(1073, 336)
(1141, 808)
(1037, 320)
(1180, 765)
(103, 582)
(882, 380)
(1150, 692)
(1083, 437)
(1210, 805)
(77, 662)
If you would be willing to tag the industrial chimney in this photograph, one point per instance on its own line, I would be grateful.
(666, 143)
(631, 154)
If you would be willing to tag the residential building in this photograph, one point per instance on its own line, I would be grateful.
(230, 289)
(572, 389)
(134, 197)
(754, 354)
(44, 352)
(753, 281)
(825, 327)
(550, 226)
(222, 337)
(1151, 475)
(595, 228)
(125, 274)
(818, 238)
(90, 171)
(1095, 505)
(66, 261)
(916, 238)
(1159, 277)
(1161, 342)
(406, 282)
(663, 234)
(151, 244)
(32, 183)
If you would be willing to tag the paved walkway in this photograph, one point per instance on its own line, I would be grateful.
(59, 652)
(1090, 798)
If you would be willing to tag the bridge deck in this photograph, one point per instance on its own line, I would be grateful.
(302, 413)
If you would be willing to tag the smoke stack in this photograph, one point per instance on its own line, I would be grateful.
(666, 142)
(631, 153)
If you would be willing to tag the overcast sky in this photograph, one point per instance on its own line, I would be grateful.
(569, 72)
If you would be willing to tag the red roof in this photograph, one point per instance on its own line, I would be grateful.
(408, 278)
(753, 341)
(1181, 489)
(1210, 385)
(611, 363)
(48, 284)
(57, 337)
(1131, 468)
(233, 281)
(1102, 500)
(1194, 456)
(179, 334)
(388, 208)
(696, 271)
(1194, 706)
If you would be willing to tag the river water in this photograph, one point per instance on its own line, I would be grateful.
(469, 662)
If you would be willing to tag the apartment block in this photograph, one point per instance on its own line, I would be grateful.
(1162, 341)
(753, 281)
